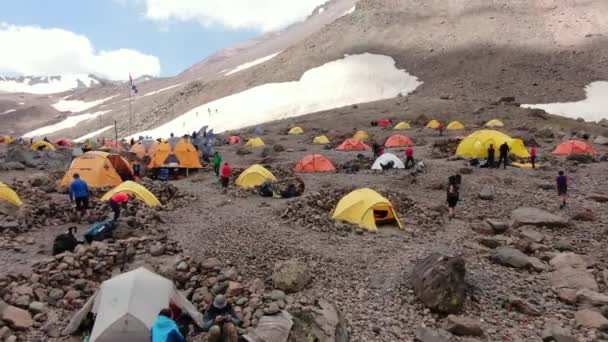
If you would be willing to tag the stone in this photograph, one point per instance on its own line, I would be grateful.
(537, 217)
(600, 198)
(508, 256)
(72, 294)
(591, 319)
(37, 307)
(491, 242)
(12, 166)
(257, 286)
(601, 140)
(568, 259)
(572, 278)
(522, 305)
(323, 323)
(499, 227)
(554, 332)
(537, 265)
(234, 289)
(463, 326)
(11, 338)
(278, 148)
(182, 266)
(439, 282)
(277, 295)
(487, 193)
(424, 334)
(24, 290)
(586, 296)
(157, 249)
(563, 245)
(567, 296)
(532, 235)
(39, 179)
(55, 295)
(4, 332)
(272, 309)
(291, 275)
(211, 263)
(17, 318)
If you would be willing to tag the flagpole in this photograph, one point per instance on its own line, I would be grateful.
(130, 89)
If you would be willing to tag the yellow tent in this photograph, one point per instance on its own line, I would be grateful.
(455, 126)
(255, 175)
(366, 208)
(296, 130)
(136, 190)
(476, 145)
(10, 195)
(255, 142)
(433, 124)
(320, 140)
(495, 123)
(402, 125)
(43, 146)
(361, 135)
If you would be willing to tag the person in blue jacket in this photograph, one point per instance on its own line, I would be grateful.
(79, 192)
(165, 329)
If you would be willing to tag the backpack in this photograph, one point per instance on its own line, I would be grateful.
(65, 242)
(99, 231)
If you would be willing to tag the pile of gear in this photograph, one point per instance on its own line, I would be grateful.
(362, 162)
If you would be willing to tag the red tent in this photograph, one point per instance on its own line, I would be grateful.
(385, 123)
(111, 143)
(63, 142)
(314, 163)
(235, 139)
(573, 147)
(353, 145)
(398, 141)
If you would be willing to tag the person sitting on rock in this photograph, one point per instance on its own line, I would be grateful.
(220, 320)
(165, 329)
(79, 192)
(117, 201)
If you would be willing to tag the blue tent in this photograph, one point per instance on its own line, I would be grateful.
(258, 130)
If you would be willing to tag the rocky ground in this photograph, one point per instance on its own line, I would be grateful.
(532, 270)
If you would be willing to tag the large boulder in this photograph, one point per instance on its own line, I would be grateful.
(17, 318)
(509, 256)
(554, 332)
(591, 319)
(324, 323)
(291, 275)
(572, 278)
(463, 326)
(601, 140)
(537, 217)
(568, 259)
(439, 282)
(424, 334)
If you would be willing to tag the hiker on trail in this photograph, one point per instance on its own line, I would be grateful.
(132, 141)
(453, 193)
(220, 320)
(504, 155)
(562, 182)
(79, 193)
(225, 176)
(117, 201)
(171, 135)
(194, 135)
(136, 168)
(217, 162)
(165, 329)
(491, 156)
(409, 157)
(533, 154)
(441, 128)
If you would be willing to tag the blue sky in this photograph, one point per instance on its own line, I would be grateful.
(112, 25)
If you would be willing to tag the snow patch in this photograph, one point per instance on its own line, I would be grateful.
(161, 90)
(349, 12)
(46, 85)
(93, 134)
(353, 79)
(76, 106)
(593, 108)
(251, 64)
(321, 10)
(68, 122)
(8, 111)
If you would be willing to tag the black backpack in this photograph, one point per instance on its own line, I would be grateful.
(65, 242)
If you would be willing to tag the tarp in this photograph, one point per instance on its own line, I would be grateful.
(574, 147)
(255, 142)
(361, 135)
(320, 140)
(235, 139)
(10, 195)
(314, 163)
(273, 328)
(99, 169)
(402, 125)
(495, 123)
(385, 158)
(255, 175)
(296, 130)
(64, 142)
(43, 145)
(136, 190)
(398, 141)
(353, 145)
(455, 126)
(365, 208)
(127, 306)
(384, 123)
(524, 165)
(176, 153)
(434, 124)
(145, 148)
(476, 145)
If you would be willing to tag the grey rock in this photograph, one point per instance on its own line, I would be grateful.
(591, 319)
(563, 245)
(499, 227)
(291, 275)
(533, 235)
(537, 217)
(508, 256)
(572, 278)
(324, 323)
(424, 334)
(37, 307)
(601, 140)
(554, 332)
(439, 282)
(569, 259)
(157, 249)
(487, 193)
(586, 296)
(463, 326)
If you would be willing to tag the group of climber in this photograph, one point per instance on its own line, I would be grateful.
(79, 193)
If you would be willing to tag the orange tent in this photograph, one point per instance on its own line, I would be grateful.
(176, 152)
(314, 163)
(145, 148)
(63, 142)
(573, 147)
(353, 145)
(99, 169)
(235, 139)
(398, 141)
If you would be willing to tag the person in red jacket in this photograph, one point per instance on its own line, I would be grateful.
(533, 154)
(117, 201)
(409, 157)
(225, 176)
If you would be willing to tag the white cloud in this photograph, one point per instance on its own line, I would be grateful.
(32, 50)
(261, 15)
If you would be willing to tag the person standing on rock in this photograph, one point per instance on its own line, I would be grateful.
(217, 162)
(533, 154)
(79, 193)
(409, 157)
(562, 182)
(453, 194)
(491, 155)
(225, 176)
(220, 320)
(118, 201)
(165, 329)
(504, 155)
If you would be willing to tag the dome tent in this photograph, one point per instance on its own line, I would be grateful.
(136, 190)
(574, 147)
(455, 126)
(495, 123)
(43, 146)
(386, 158)
(365, 208)
(9, 195)
(398, 141)
(145, 148)
(314, 163)
(402, 126)
(353, 145)
(255, 142)
(360, 135)
(476, 144)
(296, 130)
(99, 169)
(320, 140)
(176, 153)
(434, 124)
(255, 175)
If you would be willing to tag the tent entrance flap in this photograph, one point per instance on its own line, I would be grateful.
(384, 215)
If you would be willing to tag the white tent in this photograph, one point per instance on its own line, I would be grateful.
(388, 157)
(128, 304)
